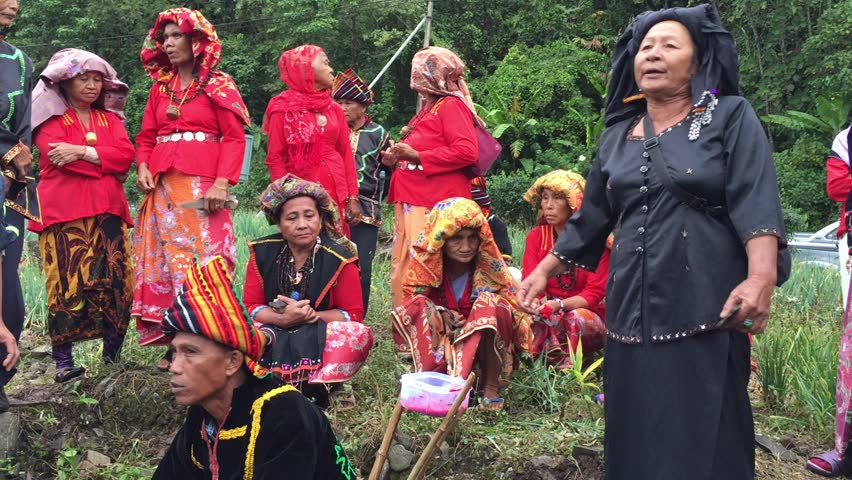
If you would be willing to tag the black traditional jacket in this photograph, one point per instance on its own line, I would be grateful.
(271, 432)
(367, 144)
(672, 266)
(16, 73)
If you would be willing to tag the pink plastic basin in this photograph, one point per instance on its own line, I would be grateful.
(431, 393)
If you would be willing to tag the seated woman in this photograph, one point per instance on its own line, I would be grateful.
(458, 306)
(302, 284)
(572, 309)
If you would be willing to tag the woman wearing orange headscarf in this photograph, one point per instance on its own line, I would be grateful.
(574, 311)
(308, 133)
(190, 148)
(459, 307)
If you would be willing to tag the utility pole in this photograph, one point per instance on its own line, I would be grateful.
(427, 37)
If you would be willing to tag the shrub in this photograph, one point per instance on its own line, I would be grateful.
(801, 178)
(795, 220)
(507, 193)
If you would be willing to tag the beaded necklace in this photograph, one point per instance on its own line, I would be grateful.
(173, 111)
(289, 278)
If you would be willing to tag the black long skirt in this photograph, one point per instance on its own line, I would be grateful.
(679, 410)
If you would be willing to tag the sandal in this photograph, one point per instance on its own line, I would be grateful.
(65, 374)
(828, 464)
(490, 404)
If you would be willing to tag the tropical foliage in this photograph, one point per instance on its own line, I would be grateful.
(537, 68)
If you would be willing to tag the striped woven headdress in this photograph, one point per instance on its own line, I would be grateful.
(349, 86)
(208, 306)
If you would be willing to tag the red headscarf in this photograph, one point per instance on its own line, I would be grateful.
(299, 104)
(207, 50)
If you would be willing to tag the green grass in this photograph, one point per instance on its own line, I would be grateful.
(547, 411)
(797, 355)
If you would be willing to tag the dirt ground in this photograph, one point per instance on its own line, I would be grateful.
(130, 410)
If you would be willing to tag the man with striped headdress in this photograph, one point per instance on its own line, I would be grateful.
(368, 140)
(239, 425)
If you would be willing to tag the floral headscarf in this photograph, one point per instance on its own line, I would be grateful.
(65, 65)
(445, 220)
(207, 305)
(491, 274)
(290, 186)
(565, 182)
(207, 50)
(440, 72)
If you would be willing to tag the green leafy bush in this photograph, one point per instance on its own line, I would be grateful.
(507, 193)
(550, 83)
(801, 178)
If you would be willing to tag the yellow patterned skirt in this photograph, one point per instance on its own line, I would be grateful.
(89, 277)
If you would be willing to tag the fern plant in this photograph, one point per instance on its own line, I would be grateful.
(832, 116)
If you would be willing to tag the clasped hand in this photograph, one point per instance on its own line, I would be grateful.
(296, 312)
(398, 151)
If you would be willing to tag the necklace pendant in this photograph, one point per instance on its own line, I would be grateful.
(173, 112)
(322, 121)
(298, 278)
(91, 138)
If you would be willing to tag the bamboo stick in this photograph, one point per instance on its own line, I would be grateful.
(420, 467)
(382, 454)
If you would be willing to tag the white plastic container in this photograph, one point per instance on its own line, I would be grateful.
(431, 393)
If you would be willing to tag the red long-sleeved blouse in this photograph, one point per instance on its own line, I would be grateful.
(446, 141)
(334, 170)
(223, 159)
(82, 189)
(589, 285)
(838, 184)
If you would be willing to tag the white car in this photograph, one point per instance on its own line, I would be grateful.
(818, 248)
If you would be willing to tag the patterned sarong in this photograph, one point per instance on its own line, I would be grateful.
(166, 239)
(88, 277)
(437, 346)
(558, 340)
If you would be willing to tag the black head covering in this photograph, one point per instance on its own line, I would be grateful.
(718, 65)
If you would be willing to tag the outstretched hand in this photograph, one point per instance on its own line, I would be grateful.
(530, 289)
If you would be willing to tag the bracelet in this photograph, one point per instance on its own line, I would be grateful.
(350, 197)
(257, 310)
(346, 316)
(220, 188)
(561, 305)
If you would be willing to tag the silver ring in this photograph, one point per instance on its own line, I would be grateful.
(748, 323)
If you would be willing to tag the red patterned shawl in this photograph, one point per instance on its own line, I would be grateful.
(207, 49)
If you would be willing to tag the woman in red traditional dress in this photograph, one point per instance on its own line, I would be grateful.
(303, 286)
(85, 156)
(190, 148)
(574, 311)
(437, 145)
(308, 133)
(459, 306)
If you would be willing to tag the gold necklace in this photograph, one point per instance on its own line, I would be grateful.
(89, 134)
